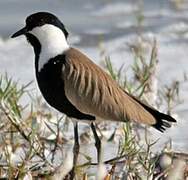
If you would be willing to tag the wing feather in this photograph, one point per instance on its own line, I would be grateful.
(94, 92)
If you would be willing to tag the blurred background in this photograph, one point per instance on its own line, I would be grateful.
(110, 25)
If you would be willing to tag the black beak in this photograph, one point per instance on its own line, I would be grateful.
(19, 33)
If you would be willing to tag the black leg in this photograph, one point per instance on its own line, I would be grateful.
(97, 142)
(75, 150)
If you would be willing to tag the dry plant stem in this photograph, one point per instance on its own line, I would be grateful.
(76, 149)
(113, 160)
(162, 174)
(97, 142)
(14, 122)
(56, 141)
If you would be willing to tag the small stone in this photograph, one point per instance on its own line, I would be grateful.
(165, 160)
(177, 170)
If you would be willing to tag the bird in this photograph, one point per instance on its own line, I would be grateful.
(74, 85)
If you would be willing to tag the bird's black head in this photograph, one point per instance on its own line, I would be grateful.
(45, 30)
(39, 19)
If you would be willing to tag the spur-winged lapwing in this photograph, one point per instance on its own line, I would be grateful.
(74, 85)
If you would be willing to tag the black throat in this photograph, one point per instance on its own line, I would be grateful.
(51, 83)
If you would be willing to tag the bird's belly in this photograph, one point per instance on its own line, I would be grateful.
(53, 96)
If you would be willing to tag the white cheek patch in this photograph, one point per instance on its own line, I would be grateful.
(52, 40)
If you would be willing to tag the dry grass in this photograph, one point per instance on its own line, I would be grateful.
(27, 150)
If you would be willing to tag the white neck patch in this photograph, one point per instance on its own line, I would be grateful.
(52, 40)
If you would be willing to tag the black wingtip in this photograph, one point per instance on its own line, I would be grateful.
(163, 122)
(168, 117)
(161, 126)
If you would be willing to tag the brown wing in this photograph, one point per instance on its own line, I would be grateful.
(93, 91)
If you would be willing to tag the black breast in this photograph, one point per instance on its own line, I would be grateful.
(51, 84)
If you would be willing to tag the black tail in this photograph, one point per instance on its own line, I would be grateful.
(163, 121)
